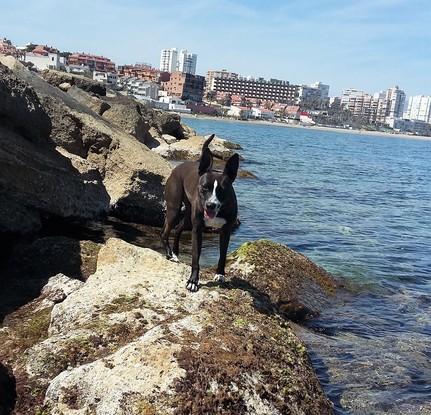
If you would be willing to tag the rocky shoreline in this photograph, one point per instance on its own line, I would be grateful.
(102, 326)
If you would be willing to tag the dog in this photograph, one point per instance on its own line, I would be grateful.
(208, 200)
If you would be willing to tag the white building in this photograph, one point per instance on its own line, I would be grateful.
(242, 113)
(350, 93)
(410, 126)
(171, 60)
(168, 60)
(187, 62)
(175, 104)
(262, 113)
(42, 62)
(419, 108)
(396, 99)
(107, 78)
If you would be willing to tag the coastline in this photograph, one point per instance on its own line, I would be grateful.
(311, 127)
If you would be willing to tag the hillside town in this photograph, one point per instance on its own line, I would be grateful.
(175, 86)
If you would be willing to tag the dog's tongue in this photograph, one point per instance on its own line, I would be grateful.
(209, 214)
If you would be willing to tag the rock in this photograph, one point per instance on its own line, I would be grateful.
(33, 183)
(94, 102)
(133, 176)
(246, 174)
(190, 149)
(295, 287)
(21, 108)
(127, 115)
(58, 78)
(165, 123)
(132, 340)
(188, 131)
(169, 139)
(59, 287)
(65, 86)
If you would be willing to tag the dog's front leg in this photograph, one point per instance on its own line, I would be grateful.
(225, 232)
(193, 282)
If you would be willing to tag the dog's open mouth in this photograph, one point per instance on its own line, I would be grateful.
(209, 214)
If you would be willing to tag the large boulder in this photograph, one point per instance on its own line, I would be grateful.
(191, 148)
(57, 78)
(292, 284)
(131, 340)
(132, 175)
(20, 107)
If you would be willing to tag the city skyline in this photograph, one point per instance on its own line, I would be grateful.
(372, 45)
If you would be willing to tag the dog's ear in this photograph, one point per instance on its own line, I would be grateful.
(206, 161)
(231, 168)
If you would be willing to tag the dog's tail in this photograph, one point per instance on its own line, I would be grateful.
(207, 142)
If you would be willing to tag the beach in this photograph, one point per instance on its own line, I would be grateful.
(311, 127)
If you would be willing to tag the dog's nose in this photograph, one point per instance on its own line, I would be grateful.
(211, 206)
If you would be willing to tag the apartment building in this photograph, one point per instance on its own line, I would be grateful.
(250, 88)
(94, 62)
(418, 108)
(187, 62)
(187, 86)
(141, 71)
(7, 48)
(172, 60)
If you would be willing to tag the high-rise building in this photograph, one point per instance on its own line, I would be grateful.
(419, 108)
(168, 60)
(323, 88)
(185, 86)
(187, 62)
(171, 61)
(396, 99)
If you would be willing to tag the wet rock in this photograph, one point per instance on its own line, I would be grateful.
(246, 174)
(292, 284)
(133, 340)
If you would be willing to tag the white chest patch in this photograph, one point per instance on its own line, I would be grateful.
(215, 222)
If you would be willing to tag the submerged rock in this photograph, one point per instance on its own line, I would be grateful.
(132, 340)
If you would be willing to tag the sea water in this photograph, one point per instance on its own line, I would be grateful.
(359, 206)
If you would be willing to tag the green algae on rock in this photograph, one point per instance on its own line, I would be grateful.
(295, 286)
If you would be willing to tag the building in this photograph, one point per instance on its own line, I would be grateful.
(141, 71)
(107, 78)
(323, 89)
(187, 86)
(410, 126)
(187, 62)
(94, 62)
(242, 113)
(168, 60)
(262, 113)
(42, 62)
(418, 108)
(212, 74)
(396, 99)
(171, 61)
(175, 104)
(7, 48)
(250, 88)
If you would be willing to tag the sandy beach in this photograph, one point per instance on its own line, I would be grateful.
(312, 127)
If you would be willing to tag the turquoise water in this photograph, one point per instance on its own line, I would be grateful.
(359, 206)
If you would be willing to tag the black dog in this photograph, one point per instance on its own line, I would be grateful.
(209, 201)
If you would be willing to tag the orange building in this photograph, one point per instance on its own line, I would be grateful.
(186, 86)
(94, 62)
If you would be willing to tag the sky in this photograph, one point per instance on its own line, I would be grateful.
(366, 44)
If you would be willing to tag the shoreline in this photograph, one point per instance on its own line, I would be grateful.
(311, 127)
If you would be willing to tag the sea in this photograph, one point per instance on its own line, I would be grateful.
(360, 207)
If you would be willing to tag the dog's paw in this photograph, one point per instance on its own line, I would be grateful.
(192, 286)
(174, 258)
(219, 278)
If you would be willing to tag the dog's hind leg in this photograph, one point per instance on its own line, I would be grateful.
(184, 224)
(172, 216)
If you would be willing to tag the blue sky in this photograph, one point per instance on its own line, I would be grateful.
(367, 44)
